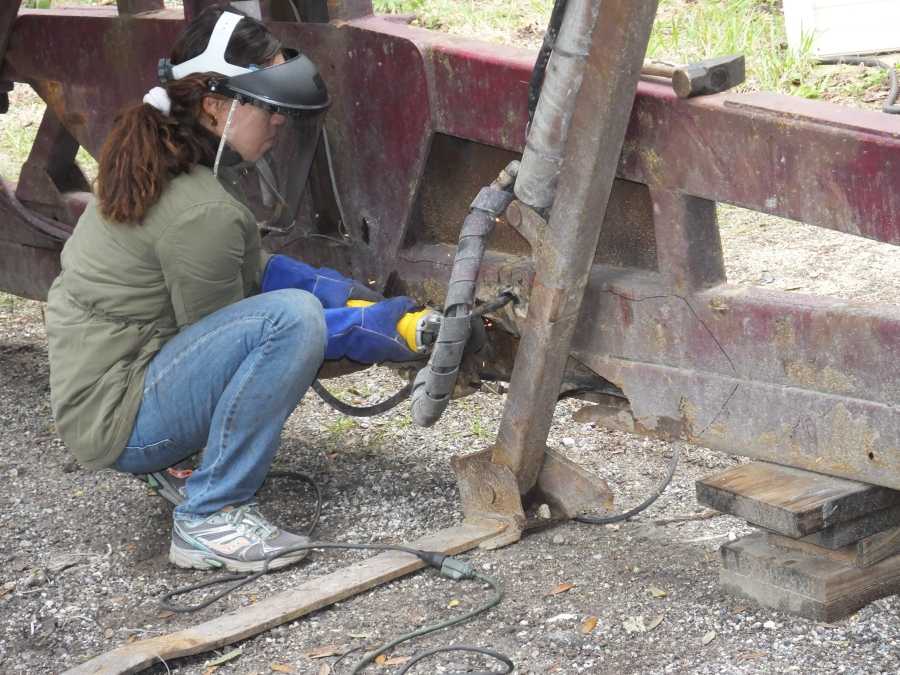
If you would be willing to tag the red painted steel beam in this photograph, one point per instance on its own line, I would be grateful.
(801, 380)
(822, 164)
(831, 166)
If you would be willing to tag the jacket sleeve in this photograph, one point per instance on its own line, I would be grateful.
(202, 258)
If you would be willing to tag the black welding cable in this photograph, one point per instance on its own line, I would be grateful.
(503, 658)
(630, 513)
(890, 105)
(493, 601)
(543, 57)
(431, 558)
(361, 411)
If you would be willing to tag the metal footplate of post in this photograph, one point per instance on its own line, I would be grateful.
(567, 171)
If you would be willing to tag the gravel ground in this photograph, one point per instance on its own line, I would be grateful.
(83, 554)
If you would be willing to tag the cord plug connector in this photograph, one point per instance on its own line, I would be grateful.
(456, 569)
(432, 558)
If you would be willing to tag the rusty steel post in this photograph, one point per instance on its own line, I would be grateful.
(7, 18)
(563, 260)
(688, 243)
(8, 14)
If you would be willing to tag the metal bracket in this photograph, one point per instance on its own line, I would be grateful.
(490, 492)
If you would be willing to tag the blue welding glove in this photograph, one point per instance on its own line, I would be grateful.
(331, 287)
(368, 334)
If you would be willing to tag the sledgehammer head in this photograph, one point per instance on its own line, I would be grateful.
(711, 76)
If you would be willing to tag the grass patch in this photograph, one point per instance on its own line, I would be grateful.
(685, 31)
(340, 427)
(18, 129)
(519, 23)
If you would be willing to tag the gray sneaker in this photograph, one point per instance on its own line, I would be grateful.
(238, 539)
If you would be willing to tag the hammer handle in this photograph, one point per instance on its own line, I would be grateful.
(658, 70)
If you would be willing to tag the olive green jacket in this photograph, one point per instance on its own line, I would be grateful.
(125, 289)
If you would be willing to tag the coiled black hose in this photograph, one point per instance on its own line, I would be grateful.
(435, 382)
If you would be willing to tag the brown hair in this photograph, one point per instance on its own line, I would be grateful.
(146, 148)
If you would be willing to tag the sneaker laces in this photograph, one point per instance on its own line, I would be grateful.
(248, 519)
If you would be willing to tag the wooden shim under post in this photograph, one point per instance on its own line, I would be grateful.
(287, 605)
(863, 553)
(794, 502)
(798, 583)
(863, 528)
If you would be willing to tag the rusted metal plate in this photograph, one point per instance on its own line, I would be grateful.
(380, 140)
(66, 72)
(26, 271)
(798, 380)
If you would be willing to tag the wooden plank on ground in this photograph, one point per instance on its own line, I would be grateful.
(863, 553)
(286, 606)
(791, 501)
(811, 586)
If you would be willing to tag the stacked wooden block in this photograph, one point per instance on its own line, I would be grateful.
(826, 546)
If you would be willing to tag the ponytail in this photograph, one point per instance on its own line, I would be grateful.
(146, 149)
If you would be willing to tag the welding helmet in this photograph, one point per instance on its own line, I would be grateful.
(293, 88)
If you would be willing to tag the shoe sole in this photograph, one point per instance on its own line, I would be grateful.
(201, 560)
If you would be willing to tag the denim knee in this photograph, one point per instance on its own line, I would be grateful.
(301, 313)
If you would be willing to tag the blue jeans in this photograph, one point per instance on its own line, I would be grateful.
(227, 383)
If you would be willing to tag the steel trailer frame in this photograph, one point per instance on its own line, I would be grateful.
(631, 298)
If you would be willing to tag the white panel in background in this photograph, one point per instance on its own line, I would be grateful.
(841, 27)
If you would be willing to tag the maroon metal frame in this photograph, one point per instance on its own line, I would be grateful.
(421, 120)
